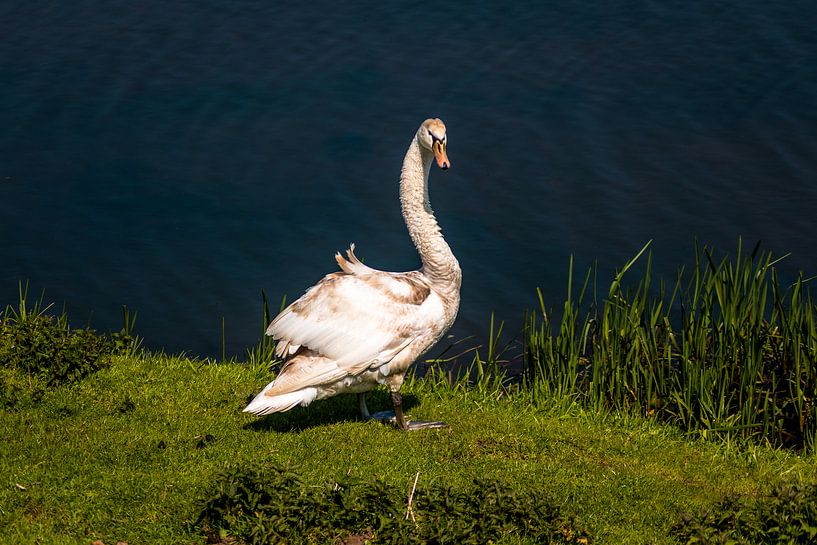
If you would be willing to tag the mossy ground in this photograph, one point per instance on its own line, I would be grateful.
(131, 452)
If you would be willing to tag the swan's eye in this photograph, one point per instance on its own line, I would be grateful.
(434, 138)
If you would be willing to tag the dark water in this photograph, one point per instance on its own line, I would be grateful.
(179, 157)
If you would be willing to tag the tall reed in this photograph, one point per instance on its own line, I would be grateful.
(264, 350)
(728, 350)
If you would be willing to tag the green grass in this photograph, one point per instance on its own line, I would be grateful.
(132, 452)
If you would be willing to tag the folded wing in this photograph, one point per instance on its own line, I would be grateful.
(356, 319)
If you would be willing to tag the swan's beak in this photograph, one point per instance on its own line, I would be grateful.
(439, 154)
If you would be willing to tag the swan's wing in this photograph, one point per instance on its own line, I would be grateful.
(358, 319)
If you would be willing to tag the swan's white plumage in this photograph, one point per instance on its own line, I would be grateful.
(359, 320)
(263, 404)
(360, 326)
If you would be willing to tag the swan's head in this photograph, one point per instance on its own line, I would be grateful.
(432, 137)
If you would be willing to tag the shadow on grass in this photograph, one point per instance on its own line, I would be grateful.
(341, 408)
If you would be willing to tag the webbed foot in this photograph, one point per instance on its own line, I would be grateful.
(410, 425)
(397, 417)
(384, 416)
(415, 425)
(388, 417)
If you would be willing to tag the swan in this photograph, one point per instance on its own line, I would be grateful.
(361, 327)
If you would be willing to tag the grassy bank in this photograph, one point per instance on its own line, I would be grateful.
(132, 452)
(645, 413)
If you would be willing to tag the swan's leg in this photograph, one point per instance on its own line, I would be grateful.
(380, 416)
(411, 425)
(364, 410)
(397, 400)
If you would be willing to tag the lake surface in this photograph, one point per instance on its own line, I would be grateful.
(180, 157)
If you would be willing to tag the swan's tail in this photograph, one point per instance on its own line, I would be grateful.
(264, 404)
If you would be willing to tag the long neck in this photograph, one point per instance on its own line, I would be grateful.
(439, 263)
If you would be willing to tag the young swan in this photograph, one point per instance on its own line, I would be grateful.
(361, 327)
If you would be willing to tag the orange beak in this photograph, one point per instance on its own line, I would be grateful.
(439, 154)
